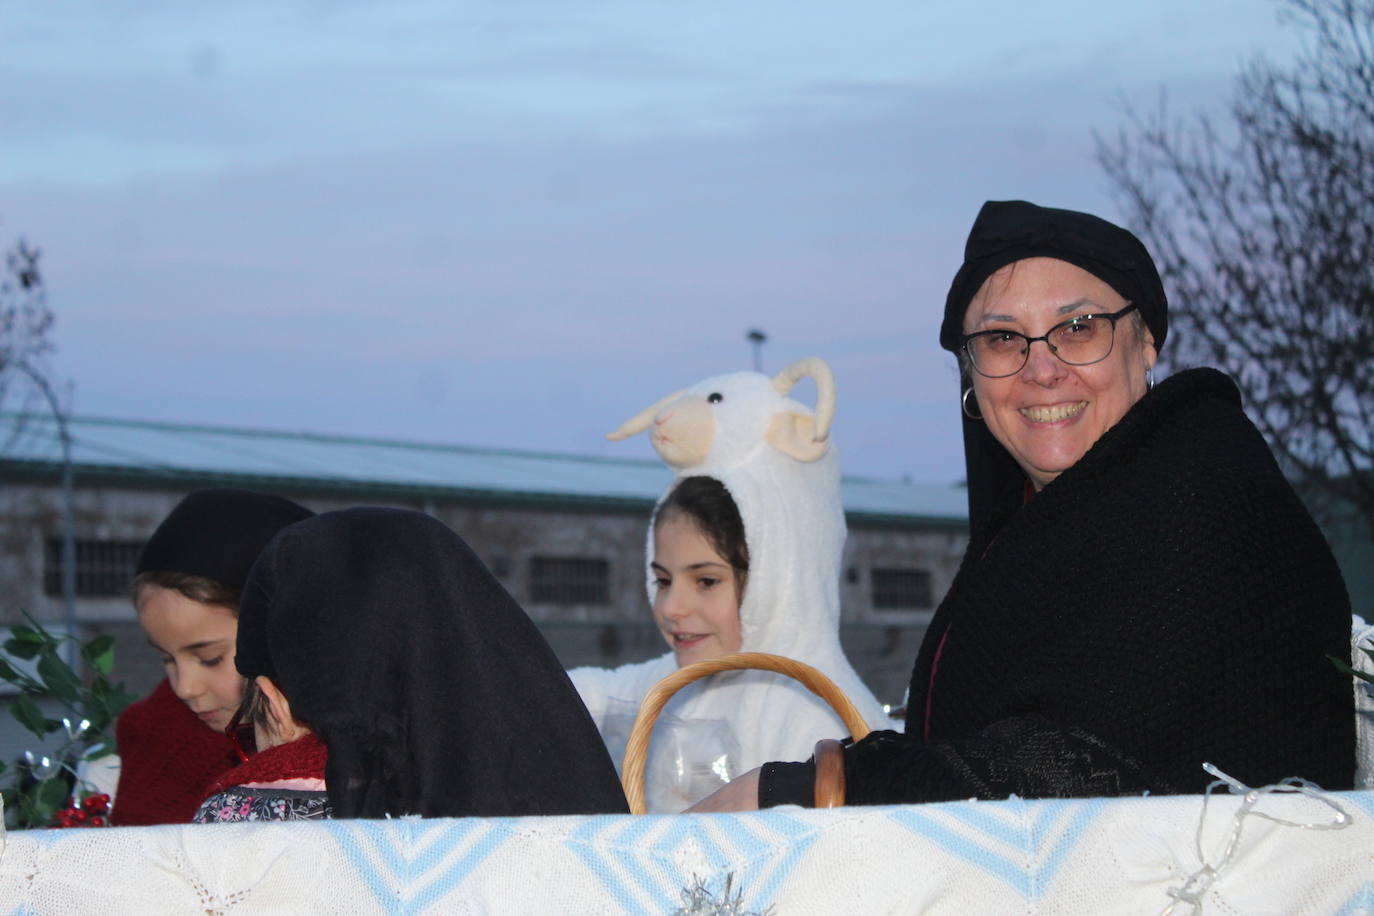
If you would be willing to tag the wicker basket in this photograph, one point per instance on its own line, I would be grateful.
(829, 756)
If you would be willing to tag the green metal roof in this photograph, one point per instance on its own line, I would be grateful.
(144, 453)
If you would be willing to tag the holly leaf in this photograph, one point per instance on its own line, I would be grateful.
(51, 795)
(8, 672)
(99, 654)
(25, 643)
(31, 635)
(107, 702)
(58, 678)
(1344, 667)
(26, 711)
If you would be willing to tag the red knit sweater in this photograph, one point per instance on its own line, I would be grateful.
(167, 758)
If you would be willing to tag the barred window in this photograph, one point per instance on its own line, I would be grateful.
(570, 580)
(104, 569)
(901, 589)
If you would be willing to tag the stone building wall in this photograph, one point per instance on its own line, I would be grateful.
(614, 630)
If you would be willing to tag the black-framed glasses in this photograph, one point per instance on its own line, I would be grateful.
(1079, 341)
(240, 734)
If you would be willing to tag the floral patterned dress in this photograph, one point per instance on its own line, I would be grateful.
(249, 803)
(283, 783)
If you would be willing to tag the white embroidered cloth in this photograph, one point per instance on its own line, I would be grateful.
(1098, 856)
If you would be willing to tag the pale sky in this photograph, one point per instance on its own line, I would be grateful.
(517, 222)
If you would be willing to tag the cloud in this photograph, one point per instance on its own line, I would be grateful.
(514, 224)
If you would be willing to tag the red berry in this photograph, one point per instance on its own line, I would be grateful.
(79, 816)
(97, 821)
(89, 802)
(104, 798)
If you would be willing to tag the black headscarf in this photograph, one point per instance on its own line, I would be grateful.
(217, 533)
(433, 691)
(1012, 230)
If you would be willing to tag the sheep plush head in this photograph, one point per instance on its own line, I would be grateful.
(725, 417)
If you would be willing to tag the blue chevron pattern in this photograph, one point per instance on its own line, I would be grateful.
(1021, 844)
(640, 861)
(1011, 855)
(410, 863)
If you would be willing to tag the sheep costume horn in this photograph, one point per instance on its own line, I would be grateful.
(775, 457)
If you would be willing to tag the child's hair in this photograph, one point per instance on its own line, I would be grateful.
(706, 501)
(197, 588)
(257, 711)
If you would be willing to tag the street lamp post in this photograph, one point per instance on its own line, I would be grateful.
(758, 339)
(68, 512)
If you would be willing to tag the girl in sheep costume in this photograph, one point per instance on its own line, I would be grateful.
(774, 458)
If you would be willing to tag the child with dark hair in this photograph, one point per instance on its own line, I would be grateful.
(742, 555)
(700, 567)
(186, 593)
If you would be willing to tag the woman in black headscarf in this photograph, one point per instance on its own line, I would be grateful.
(395, 672)
(1142, 592)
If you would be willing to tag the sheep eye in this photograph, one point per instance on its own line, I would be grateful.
(715, 397)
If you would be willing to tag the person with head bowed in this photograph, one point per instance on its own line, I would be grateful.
(1142, 593)
(392, 675)
(186, 593)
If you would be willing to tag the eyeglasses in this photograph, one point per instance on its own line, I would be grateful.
(240, 734)
(1079, 341)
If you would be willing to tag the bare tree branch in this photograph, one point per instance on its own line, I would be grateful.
(25, 327)
(1262, 223)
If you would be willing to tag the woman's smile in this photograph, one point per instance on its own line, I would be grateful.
(1049, 413)
(1053, 413)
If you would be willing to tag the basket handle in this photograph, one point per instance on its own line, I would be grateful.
(637, 749)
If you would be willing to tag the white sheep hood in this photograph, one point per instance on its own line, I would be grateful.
(794, 525)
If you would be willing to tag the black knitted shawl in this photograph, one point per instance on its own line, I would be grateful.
(1165, 602)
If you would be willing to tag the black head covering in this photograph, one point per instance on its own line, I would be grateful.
(1012, 230)
(218, 533)
(433, 691)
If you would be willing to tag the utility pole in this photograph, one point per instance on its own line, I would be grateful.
(758, 339)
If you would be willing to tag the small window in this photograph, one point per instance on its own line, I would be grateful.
(901, 589)
(104, 569)
(569, 580)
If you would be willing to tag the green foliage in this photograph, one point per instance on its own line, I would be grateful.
(31, 717)
(1345, 667)
(35, 787)
(99, 654)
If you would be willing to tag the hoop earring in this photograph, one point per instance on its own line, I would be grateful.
(964, 400)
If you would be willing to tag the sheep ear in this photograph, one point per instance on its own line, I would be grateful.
(794, 434)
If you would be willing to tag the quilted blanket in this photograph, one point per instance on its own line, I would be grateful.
(1227, 853)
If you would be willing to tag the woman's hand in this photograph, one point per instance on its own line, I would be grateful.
(740, 794)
